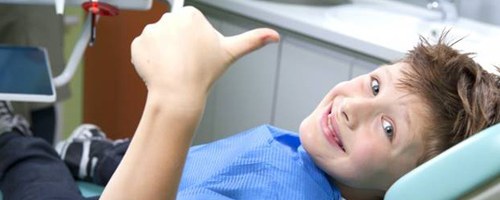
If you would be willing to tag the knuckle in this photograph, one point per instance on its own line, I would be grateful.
(165, 17)
(147, 30)
(192, 11)
(133, 45)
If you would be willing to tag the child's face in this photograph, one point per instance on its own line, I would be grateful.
(366, 132)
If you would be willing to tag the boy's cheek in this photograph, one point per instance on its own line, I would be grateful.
(368, 156)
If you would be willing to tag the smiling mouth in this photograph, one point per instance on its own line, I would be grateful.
(330, 129)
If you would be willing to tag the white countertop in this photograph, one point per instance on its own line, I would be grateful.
(386, 44)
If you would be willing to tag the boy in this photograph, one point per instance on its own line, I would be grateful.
(363, 136)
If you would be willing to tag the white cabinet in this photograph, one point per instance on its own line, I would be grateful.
(308, 70)
(242, 98)
(244, 93)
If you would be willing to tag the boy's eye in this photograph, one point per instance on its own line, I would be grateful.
(375, 87)
(388, 129)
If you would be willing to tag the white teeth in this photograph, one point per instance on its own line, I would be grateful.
(330, 121)
(331, 128)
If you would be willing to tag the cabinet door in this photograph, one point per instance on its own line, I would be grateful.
(113, 93)
(243, 96)
(308, 70)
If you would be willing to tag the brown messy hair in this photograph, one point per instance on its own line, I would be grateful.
(461, 96)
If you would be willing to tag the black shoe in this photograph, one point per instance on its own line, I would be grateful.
(10, 121)
(83, 149)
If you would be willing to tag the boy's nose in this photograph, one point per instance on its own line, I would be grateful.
(355, 110)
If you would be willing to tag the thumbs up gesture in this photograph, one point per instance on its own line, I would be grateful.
(182, 54)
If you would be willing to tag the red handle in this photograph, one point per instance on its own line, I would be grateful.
(99, 8)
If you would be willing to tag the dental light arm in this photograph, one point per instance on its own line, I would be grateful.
(81, 45)
(76, 55)
(94, 9)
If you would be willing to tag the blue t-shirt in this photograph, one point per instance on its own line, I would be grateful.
(261, 163)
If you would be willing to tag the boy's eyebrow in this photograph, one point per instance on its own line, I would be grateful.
(406, 113)
(406, 117)
(388, 73)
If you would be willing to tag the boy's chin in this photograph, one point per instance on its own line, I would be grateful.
(307, 135)
(306, 127)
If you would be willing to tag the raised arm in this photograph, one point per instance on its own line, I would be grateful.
(179, 58)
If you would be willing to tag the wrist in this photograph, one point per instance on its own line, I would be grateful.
(178, 103)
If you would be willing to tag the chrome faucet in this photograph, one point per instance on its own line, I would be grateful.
(447, 8)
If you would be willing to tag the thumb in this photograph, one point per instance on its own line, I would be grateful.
(249, 41)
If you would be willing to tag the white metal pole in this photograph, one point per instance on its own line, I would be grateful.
(76, 56)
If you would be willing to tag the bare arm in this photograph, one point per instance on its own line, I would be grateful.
(179, 58)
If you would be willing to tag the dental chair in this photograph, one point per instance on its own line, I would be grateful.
(469, 170)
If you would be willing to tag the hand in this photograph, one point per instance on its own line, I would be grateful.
(179, 58)
(182, 54)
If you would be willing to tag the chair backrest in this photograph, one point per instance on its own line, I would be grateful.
(89, 189)
(457, 172)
